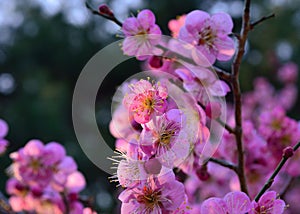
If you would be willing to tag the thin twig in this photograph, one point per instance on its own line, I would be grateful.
(224, 163)
(270, 181)
(227, 127)
(262, 20)
(111, 18)
(222, 74)
(246, 26)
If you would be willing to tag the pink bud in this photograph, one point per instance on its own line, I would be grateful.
(153, 166)
(213, 110)
(203, 174)
(156, 62)
(20, 187)
(73, 196)
(288, 152)
(36, 192)
(105, 10)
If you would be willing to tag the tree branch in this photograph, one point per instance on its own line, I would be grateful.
(270, 181)
(254, 24)
(227, 127)
(246, 27)
(224, 163)
(222, 74)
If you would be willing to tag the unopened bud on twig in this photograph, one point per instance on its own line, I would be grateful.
(288, 152)
(105, 10)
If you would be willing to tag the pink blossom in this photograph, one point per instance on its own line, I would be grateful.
(279, 130)
(286, 97)
(268, 204)
(175, 25)
(3, 128)
(146, 100)
(209, 34)
(233, 203)
(88, 210)
(3, 145)
(155, 196)
(141, 34)
(3, 133)
(130, 170)
(202, 83)
(288, 73)
(43, 179)
(31, 166)
(165, 139)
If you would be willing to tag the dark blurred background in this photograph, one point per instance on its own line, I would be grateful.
(44, 44)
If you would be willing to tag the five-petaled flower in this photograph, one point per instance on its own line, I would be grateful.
(209, 34)
(141, 35)
(146, 100)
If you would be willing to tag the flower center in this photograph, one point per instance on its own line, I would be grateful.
(206, 37)
(168, 131)
(35, 165)
(276, 124)
(148, 103)
(149, 197)
(165, 138)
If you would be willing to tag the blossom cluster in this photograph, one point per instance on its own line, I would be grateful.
(153, 131)
(45, 180)
(3, 133)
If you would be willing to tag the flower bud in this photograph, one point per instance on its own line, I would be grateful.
(105, 10)
(36, 192)
(203, 174)
(73, 196)
(156, 62)
(288, 152)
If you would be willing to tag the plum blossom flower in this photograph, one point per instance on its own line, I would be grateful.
(31, 165)
(130, 169)
(155, 196)
(3, 133)
(233, 203)
(165, 139)
(279, 130)
(146, 100)
(175, 25)
(268, 204)
(202, 83)
(44, 180)
(209, 34)
(288, 73)
(141, 34)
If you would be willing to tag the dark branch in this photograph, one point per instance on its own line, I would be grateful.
(222, 74)
(246, 27)
(254, 24)
(227, 127)
(224, 163)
